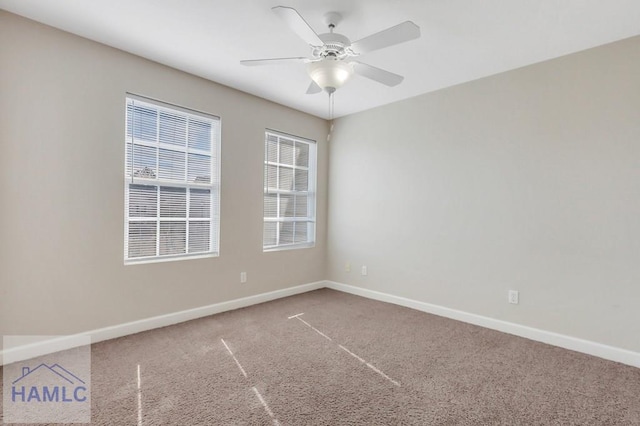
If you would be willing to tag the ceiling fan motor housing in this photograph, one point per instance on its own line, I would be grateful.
(335, 45)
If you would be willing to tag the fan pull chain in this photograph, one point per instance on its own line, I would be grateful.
(331, 105)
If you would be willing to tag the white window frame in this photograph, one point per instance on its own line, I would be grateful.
(311, 193)
(131, 178)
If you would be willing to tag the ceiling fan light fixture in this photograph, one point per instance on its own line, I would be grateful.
(330, 74)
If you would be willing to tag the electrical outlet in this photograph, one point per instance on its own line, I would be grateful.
(243, 277)
(347, 267)
(364, 270)
(513, 297)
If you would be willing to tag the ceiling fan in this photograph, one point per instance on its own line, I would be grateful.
(331, 63)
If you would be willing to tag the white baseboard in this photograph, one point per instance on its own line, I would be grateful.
(59, 343)
(55, 344)
(611, 353)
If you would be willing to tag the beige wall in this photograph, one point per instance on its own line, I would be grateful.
(527, 180)
(61, 188)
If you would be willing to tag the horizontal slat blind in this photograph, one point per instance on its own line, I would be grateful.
(289, 191)
(171, 181)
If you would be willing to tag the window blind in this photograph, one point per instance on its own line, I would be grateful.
(289, 191)
(172, 181)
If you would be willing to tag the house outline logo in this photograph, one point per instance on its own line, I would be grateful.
(54, 384)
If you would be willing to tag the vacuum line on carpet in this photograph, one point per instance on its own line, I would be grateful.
(139, 398)
(382, 374)
(266, 407)
(378, 371)
(352, 354)
(316, 330)
(244, 373)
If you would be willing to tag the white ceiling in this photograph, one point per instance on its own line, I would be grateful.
(462, 40)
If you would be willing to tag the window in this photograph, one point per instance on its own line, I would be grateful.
(171, 182)
(289, 192)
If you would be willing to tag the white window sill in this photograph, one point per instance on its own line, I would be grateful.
(289, 247)
(169, 258)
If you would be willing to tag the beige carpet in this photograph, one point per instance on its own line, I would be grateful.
(351, 361)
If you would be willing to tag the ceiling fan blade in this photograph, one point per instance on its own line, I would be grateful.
(298, 24)
(376, 74)
(395, 35)
(313, 88)
(274, 61)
